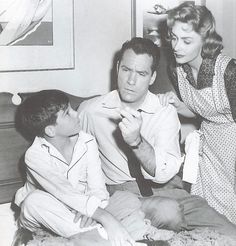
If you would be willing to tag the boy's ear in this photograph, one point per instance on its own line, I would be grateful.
(50, 131)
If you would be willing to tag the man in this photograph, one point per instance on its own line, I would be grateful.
(134, 131)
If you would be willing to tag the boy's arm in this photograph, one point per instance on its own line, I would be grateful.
(95, 177)
(42, 173)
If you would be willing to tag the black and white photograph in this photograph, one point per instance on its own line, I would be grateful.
(117, 123)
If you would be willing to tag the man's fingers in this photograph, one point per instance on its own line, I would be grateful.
(130, 114)
(77, 216)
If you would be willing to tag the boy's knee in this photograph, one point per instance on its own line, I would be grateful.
(30, 206)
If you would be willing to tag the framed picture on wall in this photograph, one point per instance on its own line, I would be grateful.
(36, 35)
(149, 18)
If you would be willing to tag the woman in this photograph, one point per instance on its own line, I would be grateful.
(205, 83)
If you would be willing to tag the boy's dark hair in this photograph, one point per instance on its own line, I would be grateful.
(40, 110)
(142, 46)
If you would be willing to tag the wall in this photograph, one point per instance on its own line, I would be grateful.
(100, 29)
(224, 13)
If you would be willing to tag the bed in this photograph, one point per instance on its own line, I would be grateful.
(12, 148)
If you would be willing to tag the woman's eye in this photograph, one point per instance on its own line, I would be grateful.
(187, 42)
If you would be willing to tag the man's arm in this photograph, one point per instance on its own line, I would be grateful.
(160, 159)
(130, 127)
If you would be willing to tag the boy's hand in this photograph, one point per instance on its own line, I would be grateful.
(130, 126)
(118, 235)
(85, 221)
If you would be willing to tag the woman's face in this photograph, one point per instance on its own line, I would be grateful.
(186, 44)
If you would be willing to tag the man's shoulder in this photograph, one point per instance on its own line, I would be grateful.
(85, 137)
(94, 104)
(158, 107)
(91, 104)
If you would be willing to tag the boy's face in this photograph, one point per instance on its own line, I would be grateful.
(67, 123)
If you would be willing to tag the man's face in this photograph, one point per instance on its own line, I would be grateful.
(67, 123)
(134, 77)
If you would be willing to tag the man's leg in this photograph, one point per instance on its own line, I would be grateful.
(197, 212)
(164, 213)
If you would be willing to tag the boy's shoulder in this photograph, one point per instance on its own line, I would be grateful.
(38, 145)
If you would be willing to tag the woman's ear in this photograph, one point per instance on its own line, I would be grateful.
(50, 131)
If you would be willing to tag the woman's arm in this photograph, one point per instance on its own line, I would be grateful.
(171, 98)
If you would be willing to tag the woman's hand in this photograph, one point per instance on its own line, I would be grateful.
(169, 98)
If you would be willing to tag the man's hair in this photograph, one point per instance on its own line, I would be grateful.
(142, 46)
(40, 110)
(202, 22)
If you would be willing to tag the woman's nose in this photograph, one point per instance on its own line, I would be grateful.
(176, 46)
(74, 113)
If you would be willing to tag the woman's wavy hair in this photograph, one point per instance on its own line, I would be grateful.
(202, 22)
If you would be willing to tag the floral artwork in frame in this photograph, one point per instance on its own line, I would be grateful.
(36, 35)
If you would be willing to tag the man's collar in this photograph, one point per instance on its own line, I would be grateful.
(150, 104)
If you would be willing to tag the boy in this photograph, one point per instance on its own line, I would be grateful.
(64, 176)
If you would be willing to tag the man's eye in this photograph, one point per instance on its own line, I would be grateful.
(142, 74)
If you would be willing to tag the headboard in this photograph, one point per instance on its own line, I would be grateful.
(13, 145)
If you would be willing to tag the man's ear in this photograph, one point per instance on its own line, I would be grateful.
(153, 78)
(50, 131)
(117, 66)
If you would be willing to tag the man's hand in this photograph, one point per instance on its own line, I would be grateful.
(85, 221)
(130, 126)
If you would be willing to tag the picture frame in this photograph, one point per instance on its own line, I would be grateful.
(147, 22)
(59, 54)
(149, 18)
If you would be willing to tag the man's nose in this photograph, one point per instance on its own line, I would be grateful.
(132, 78)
